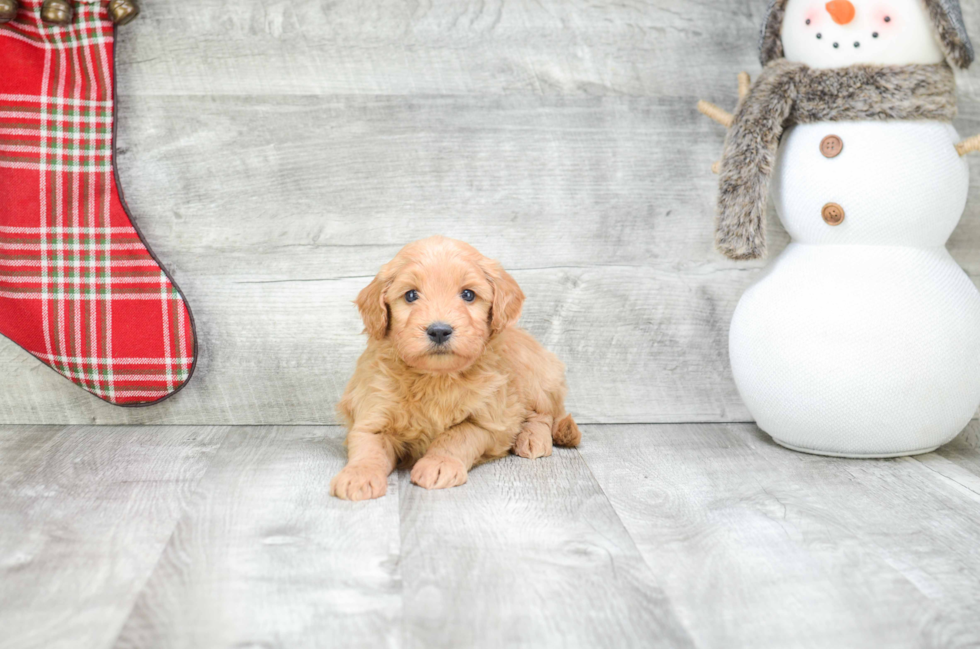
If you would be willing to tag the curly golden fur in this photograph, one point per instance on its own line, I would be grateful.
(489, 389)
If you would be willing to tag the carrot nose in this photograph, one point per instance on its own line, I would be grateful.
(842, 11)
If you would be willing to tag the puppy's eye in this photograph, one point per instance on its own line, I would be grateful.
(411, 296)
(468, 295)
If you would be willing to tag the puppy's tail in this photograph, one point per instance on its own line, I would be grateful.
(566, 433)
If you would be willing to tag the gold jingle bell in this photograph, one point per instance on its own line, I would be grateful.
(123, 12)
(57, 12)
(8, 10)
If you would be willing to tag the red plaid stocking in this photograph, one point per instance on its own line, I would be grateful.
(78, 287)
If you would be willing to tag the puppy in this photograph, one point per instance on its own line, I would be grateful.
(447, 381)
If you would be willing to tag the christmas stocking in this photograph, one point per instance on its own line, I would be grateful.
(79, 289)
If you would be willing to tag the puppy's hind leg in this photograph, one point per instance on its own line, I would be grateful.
(534, 440)
(566, 432)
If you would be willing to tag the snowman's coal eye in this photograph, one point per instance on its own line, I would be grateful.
(807, 21)
(888, 19)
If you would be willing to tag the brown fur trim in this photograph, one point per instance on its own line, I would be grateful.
(948, 19)
(771, 43)
(873, 92)
(792, 93)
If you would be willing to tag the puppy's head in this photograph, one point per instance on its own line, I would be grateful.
(438, 302)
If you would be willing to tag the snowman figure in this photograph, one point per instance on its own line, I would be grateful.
(862, 339)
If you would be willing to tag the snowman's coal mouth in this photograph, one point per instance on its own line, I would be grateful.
(857, 44)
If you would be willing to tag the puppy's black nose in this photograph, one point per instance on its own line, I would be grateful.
(439, 332)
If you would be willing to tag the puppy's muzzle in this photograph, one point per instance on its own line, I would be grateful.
(439, 333)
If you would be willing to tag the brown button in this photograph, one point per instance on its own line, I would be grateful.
(831, 146)
(833, 214)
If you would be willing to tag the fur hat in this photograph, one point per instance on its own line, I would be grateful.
(946, 16)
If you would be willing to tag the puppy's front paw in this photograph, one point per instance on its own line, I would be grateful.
(359, 483)
(533, 442)
(438, 472)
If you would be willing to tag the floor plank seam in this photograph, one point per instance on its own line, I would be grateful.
(636, 548)
(944, 477)
(613, 508)
(403, 633)
(195, 496)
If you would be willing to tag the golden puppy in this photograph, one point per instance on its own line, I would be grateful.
(447, 380)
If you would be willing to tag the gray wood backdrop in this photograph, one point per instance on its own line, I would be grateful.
(276, 153)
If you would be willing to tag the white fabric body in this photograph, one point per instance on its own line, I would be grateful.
(863, 339)
(900, 183)
(905, 34)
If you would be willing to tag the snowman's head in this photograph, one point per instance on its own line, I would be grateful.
(840, 33)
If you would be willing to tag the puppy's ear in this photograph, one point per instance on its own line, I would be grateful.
(508, 298)
(373, 307)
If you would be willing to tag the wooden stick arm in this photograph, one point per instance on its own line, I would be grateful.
(744, 84)
(722, 116)
(969, 145)
(719, 115)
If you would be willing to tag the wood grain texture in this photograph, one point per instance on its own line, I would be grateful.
(276, 153)
(527, 554)
(759, 546)
(272, 291)
(959, 461)
(704, 535)
(266, 558)
(436, 47)
(84, 516)
(442, 47)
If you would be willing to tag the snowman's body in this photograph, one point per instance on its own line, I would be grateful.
(863, 338)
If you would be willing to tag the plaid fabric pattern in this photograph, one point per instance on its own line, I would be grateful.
(78, 288)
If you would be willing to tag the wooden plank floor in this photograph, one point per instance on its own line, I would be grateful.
(702, 535)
